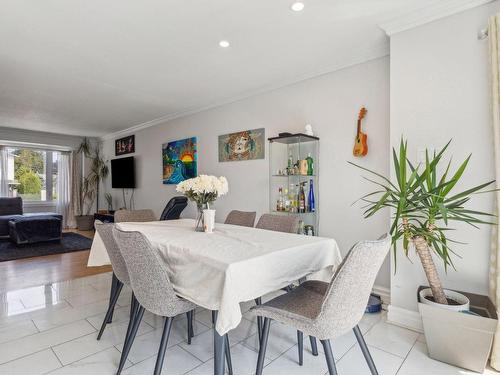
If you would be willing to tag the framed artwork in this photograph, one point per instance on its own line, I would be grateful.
(244, 145)
(180, 160)
(125, 145)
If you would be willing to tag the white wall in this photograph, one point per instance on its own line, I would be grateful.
(330, 103)
(440, 90)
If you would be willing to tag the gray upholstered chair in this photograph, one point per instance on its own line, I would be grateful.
(329, 310)
(120, 273)
(120, 277)
(279, 223)
(152, 289)
(243, 218)
(134, 216)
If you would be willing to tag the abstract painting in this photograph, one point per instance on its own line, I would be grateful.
(244, 145)
(180, 159)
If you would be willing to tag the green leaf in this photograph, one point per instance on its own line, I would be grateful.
(469, 191)
(458, 174)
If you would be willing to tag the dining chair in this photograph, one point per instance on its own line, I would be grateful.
(120, 277)
(134, 216)
(153, 292)
(279, 223)
(174, 207)
(120, 273)
(242, 218)
(329, 310)
(116, 259)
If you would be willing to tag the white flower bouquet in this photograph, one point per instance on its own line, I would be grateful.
(203, 189)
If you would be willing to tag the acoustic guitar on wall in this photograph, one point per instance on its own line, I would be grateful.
(361, 141)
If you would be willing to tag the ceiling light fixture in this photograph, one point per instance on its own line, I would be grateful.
(224, 43)
(297, 6)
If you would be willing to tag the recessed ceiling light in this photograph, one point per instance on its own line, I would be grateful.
(297, 6)
(224, 43)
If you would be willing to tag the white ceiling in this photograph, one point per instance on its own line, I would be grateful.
(93, 67)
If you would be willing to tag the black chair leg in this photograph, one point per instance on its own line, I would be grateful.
(114, 286)
(258, 301)
(364, 349)
(300, 340)
(109, 314)
(190, 333)
(330, 360)
(228, 356)
(163, 345)
(136, 321)
(134, 305)
(263, 346)
(314, 346)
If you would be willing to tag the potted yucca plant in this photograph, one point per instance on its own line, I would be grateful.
(424, 204)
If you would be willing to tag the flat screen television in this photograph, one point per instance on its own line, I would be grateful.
(123, 173)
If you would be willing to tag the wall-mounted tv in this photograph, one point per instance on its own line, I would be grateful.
(123, 173)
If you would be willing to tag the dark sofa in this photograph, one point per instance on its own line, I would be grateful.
(12, 208)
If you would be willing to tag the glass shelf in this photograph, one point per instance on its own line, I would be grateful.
(292, 213)
(294, 147)
(294, 139)
(293, 175)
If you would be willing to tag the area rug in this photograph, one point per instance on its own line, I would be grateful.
(69, 242)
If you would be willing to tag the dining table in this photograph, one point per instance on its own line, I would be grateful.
(231, 265)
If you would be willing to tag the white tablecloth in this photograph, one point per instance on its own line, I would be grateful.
(234, 264)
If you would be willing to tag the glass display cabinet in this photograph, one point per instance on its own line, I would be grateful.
(294, 179)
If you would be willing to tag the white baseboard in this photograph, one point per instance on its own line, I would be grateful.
(404, 318)
(385, 295)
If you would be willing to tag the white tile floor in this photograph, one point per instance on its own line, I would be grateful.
(52, 330)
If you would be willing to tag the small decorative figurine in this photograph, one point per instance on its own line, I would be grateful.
(309, 129)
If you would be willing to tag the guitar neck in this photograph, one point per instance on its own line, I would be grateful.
(359, 126)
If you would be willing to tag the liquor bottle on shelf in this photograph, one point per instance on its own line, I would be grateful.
(301, 227)
(310, 165)
(301, 198)
(310, 198)
(287, 201)
(309, 230)
(280, 204)
(293, 198)
(290, 164)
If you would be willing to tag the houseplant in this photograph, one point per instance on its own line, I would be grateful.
(203, 190)
(90, 187)
(424, 204)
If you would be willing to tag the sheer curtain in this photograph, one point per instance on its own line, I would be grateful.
(76, 187)
(64, 188)
(4, 179)
(494, 276)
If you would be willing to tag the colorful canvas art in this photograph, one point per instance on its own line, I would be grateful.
(180, 159)
(244, 145)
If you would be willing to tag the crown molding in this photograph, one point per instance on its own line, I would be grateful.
(379, 51)
(441, 9)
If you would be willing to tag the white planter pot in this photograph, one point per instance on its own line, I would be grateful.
(459, 338)
(463, 301)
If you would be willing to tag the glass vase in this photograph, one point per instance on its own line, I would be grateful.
(199, 227)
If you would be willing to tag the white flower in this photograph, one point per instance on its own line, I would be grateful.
(203, 185)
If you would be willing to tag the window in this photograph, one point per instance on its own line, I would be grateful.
(32, 174)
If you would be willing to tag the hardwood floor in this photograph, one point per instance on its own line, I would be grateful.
(24, 273)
